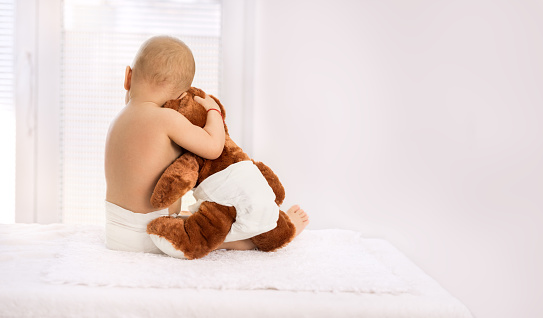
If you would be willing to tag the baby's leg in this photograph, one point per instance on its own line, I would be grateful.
(243, 245)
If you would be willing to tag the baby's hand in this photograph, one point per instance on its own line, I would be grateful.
(208, 102)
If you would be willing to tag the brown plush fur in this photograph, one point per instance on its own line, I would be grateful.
(206, 229)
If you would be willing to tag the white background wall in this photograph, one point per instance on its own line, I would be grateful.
(418, 121)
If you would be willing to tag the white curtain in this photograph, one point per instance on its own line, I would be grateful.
(7, 111)
(99, 39)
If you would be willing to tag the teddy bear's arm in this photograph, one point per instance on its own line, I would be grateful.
(176, 180)
(273, 181)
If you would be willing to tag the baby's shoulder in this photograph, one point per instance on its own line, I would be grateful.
(135, 117)
(151, 114)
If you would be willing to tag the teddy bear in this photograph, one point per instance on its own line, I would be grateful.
(211, 222)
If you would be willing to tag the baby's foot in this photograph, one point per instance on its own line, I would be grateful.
(298, 217)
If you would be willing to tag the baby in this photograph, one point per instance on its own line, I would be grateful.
(145, 138)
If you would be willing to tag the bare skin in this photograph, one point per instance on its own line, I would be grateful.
(145, 138)
(296, 215)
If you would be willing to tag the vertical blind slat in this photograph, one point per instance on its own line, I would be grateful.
(7, 110)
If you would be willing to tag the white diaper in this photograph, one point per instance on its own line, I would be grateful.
(127, 231)
(242, 186)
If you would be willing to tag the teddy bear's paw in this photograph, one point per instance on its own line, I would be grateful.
(170, 188)
(166, 246)
(179, 178)
(165, 233)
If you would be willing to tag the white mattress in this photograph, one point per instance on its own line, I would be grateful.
(40, 278)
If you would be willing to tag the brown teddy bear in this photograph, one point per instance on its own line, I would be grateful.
(207, 228)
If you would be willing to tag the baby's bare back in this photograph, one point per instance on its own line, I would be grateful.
(138, 150)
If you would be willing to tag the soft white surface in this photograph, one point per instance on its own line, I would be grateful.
(325, 260)
(26, 251)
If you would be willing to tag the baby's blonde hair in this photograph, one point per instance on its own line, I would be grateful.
(165, 61)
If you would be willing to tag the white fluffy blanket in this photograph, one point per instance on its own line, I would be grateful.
(318, 260)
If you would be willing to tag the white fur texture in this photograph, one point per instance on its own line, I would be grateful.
(323, 260)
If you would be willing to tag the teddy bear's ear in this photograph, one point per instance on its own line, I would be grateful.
(173, 104)
(189, 108)
(185, 100)
(197, 92)
(200, 93)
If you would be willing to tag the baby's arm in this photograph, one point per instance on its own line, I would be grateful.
(207, 142)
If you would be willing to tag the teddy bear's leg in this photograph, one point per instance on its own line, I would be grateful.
(199, 234)
(273, 181)
(278, 237)
(178, 179)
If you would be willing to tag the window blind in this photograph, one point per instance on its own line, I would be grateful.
(7, 111)
(99, 39)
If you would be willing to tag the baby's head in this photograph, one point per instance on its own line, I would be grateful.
(166, 64)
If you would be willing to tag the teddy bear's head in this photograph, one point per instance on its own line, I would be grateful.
(193, 111)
